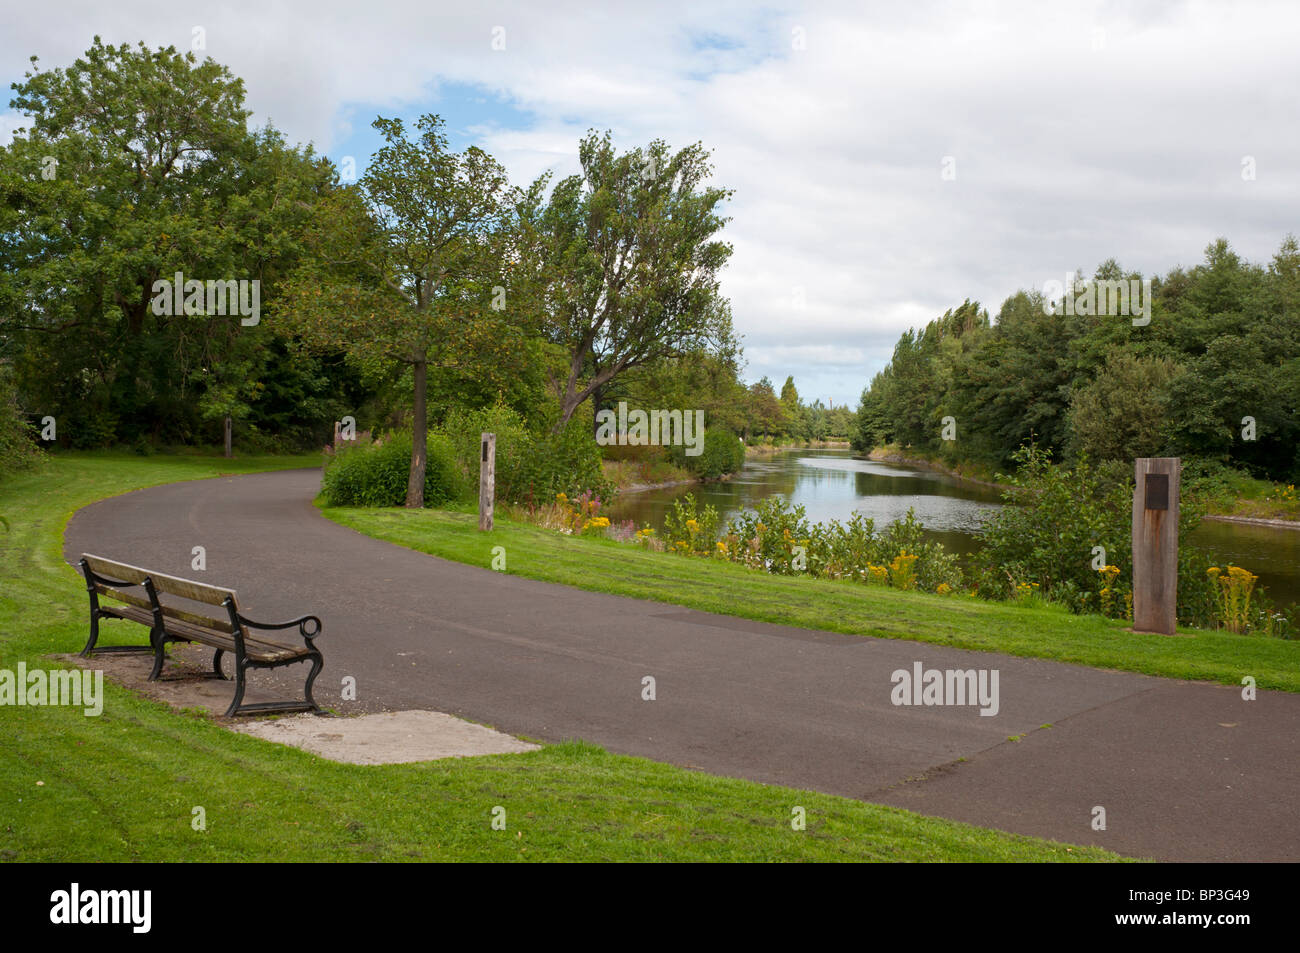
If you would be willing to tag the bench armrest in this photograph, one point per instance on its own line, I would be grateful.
(308, 626)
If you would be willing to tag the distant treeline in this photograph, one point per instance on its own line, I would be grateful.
(1215, 374)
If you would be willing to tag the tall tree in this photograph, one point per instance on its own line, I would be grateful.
(632, 263)
(1124, 411)
(764, 408)
(139, 164)
(406, 270)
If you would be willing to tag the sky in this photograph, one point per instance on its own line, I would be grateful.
(889, 160)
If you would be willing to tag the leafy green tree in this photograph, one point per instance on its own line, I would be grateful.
(631, 265)
(872, 423)
(907, 401)
(703, 380)
(402, 270)
(1215, 373)
(792, 410)
(138, 164)
(17, 450)
(1123, 413)
(764, 409)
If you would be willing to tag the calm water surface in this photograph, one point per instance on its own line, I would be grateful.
(833, 484)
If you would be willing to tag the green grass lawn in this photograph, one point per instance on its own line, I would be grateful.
(123, 786)
(840, 606)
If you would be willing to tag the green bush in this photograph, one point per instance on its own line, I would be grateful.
(377, 474)
(1054, 518)
(1046, 533)
(690, 530)
(465, 428)
(767, 536)
(934, 566)
(531, 467)
(721, 454)
(17, 451)
(88, 428)
(565, 462)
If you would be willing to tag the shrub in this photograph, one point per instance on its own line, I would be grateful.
(934, 564)
(531, 467)
(464, 428)
(846, 550)
(17, 451)
(1197, 593)
(1056, 516)
(778, 538)
(564, 462)
(767, 536)
(377, 474)
(721, 454)
(1046, 533)
(688, 531)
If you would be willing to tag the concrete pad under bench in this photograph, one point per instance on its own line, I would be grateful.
(388, 738)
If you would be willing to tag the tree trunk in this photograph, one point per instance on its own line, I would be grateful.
(419, 437)
(595, 411)
(573, 395)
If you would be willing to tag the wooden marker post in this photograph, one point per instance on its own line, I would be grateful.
(487, 480)
(227, 436)
(1155, 544)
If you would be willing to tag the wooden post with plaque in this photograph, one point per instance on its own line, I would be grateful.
(487, 481)
(1155, 544)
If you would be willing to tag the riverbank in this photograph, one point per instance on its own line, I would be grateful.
(970, 472)
(643, 487)
(1242, 509)
(1254, 505)
(635, 476)
(1254, 521)
(763, 449)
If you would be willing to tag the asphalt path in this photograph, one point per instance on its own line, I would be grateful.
(1183, 770)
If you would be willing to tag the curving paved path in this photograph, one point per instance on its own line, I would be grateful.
(1185, 771)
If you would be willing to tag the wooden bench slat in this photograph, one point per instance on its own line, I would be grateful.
(255, 647)
(197, 628)
(172, 585)
(129, 598)
(130, 613)
(171, 612)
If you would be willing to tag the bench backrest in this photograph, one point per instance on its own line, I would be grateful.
(199, 592)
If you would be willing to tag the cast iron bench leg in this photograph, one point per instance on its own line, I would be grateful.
(159, 641)
(240, 665)
(317, 663)
(94, 632)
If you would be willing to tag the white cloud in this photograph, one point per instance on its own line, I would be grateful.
(1065, 154)
(9, 124)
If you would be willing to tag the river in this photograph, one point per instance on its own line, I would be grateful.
(834, 484)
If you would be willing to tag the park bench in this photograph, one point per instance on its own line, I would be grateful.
(226, 630)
